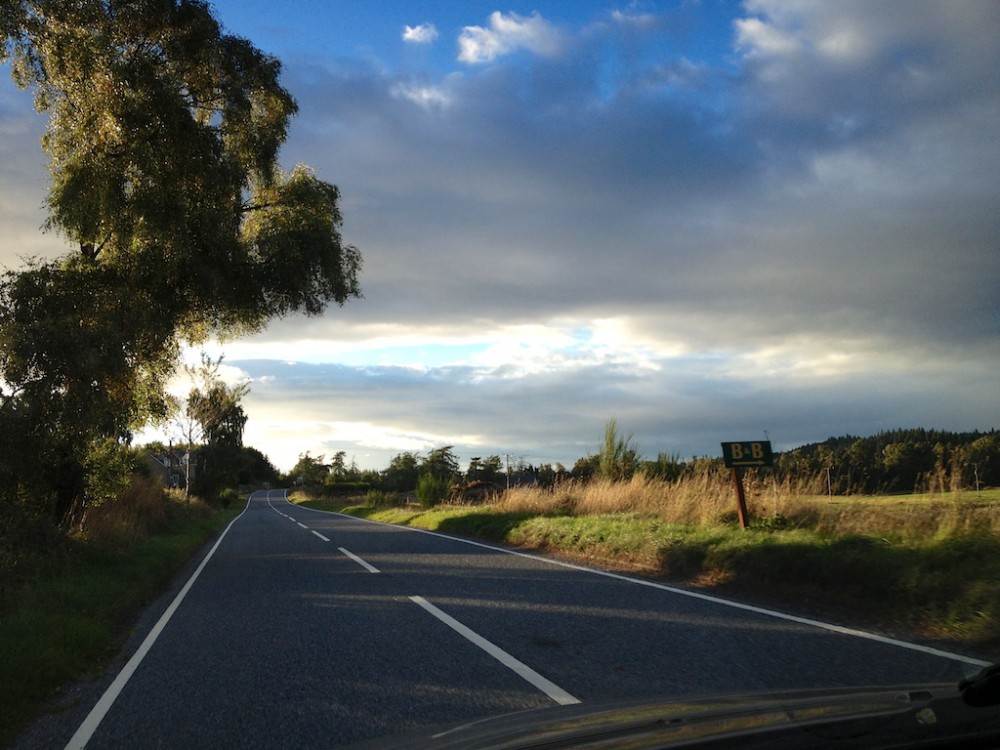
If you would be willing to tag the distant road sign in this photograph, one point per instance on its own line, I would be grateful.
(753, 453)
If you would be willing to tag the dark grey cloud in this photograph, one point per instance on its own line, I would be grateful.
(533, 188)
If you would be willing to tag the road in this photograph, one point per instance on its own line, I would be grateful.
(308, 629)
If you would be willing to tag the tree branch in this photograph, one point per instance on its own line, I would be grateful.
(248, 207)
(90, 252)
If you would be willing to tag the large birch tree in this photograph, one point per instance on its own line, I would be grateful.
(163, 138)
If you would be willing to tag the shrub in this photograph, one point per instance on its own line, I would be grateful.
(345, 489)
(619, 456)
(376, 498)
(138, 511)
(227, 497)
(431, 490)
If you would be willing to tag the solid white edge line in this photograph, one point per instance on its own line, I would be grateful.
(840, 629)
(528, 674)
(86, 730)
(367, 566)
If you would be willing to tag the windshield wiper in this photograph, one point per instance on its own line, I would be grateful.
(983, 688)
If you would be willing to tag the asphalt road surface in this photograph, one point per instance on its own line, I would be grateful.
(306, 629)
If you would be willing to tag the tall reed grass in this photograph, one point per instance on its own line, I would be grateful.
(708, 499)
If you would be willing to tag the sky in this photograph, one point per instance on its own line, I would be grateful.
(710, 220)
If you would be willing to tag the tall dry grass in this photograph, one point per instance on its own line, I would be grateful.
(698, 500)
(709, 499)
(143, 509)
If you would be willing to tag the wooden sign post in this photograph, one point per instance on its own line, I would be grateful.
(738, 456)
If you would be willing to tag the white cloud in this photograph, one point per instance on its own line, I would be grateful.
(758, 38)
(644, 21)
(506, 34)
(427, 97)
(424, 33)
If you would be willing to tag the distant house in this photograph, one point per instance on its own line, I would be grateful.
(172, 466)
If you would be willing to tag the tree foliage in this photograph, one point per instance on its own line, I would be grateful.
(309, 470)
(211, 420)
(900, 460)
(666, 466)
(402, 473)
(489, 469)
(431, 490)
(441, 463)
(214, 405)
(162, 138)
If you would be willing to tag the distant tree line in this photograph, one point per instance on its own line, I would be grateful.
(903, 460)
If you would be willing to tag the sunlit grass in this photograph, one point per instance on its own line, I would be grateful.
(709, 499)
(925, 565)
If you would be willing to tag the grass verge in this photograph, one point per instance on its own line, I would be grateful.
(916, 567)
(72, 614)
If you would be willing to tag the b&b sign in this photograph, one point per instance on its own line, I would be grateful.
(755, 453)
